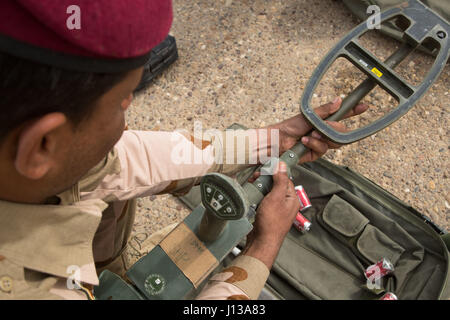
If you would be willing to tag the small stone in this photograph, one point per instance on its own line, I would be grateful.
(432, 185)
(261, 17)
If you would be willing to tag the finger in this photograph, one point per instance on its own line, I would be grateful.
(295, 126)
(328, 109)
(254, 176)
(317, 135)
(308, 157)
(298, 126)
(360, 108)
(292, 201)
(290, 193)
(317, 146)
(338, 126)
(317, 151)
(280, 182)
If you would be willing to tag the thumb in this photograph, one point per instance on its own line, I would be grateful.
(280, 181)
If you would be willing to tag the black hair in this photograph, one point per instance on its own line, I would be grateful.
(29, 90)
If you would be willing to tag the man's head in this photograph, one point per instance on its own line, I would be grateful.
(57, 124)
(64, 92)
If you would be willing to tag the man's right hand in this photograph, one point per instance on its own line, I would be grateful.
(274, 218)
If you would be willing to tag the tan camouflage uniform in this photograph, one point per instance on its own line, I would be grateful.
(88, 226)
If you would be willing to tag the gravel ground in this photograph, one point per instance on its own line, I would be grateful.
(248, 62)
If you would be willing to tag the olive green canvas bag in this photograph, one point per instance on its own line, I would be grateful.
(355, 223)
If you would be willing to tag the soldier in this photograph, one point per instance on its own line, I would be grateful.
(69, 172)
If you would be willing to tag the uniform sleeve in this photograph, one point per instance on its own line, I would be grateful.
(242, 280)
(155, 162)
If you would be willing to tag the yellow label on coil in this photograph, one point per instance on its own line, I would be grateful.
(377, 72)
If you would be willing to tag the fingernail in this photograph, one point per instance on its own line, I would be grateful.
(316, 135)
(282, 166)
(305, 140)
(336, 100)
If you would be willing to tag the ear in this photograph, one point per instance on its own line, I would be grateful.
(126, 102)
(36, 146)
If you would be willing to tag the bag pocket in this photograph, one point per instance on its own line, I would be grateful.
(351, 227)
(340, 216)
(375, 245)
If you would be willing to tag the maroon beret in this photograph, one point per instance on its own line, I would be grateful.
(84, 35)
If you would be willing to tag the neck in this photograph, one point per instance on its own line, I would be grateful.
(15, 188)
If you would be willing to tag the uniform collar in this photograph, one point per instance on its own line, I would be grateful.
(53, 239)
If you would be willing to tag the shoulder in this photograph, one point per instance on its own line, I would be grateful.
(108, 166)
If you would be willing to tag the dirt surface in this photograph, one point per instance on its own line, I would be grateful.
(248, 62)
